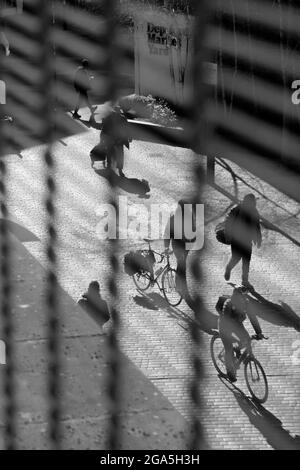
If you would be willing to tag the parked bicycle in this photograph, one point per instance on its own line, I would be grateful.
(144, 279)
(254, 373)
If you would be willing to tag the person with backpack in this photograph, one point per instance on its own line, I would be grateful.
(92, 302)
(82, 85)
(233, 312)
(242, 229)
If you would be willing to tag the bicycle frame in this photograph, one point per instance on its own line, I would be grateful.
(167, 266)
(247, 353)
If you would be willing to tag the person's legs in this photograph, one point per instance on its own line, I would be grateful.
(246, 258)
(119, 154)
(236, 256)
(110, 155)
(78, 103)
(92, 110)
(225, 331)
(240, 331)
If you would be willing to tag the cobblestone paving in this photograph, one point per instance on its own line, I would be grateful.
(155, 336)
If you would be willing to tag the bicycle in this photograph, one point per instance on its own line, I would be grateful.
(144, 279)
(254, 373)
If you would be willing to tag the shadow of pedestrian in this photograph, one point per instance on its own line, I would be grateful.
(278, 314)
(130, 185)
(91, 124)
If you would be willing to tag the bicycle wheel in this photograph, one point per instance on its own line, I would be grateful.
(142, 280)
(217, 352)
(169, 287)
(256, 380)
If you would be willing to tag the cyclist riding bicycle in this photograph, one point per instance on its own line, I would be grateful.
(233, 312)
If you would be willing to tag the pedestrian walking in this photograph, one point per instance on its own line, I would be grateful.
(115, 134)
(92, 302)
(175, 235)
(242, 229)
(82, 85)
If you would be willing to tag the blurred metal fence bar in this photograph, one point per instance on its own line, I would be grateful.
(7, 323)
(8, 391)
(52, 302)
(114, 381)
(255, 122)
(197, 143)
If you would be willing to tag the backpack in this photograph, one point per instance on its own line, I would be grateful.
(223, 230)
(220, 234)
(224, 307)
(138, 261)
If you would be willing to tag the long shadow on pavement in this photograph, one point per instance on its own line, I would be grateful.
(207, 323)
(23, 135)
(93, 124)
(278, 314)
(20, 232)
(145, 302)
(130, 185)
(264, 421)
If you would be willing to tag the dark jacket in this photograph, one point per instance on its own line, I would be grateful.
(115, 128)
(242, 226)
(82, 82)
(224, 307)
(96, 307)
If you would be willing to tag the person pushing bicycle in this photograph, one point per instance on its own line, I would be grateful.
(233, 312)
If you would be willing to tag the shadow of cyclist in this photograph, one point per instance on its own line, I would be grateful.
(267, 424)
(264, 421)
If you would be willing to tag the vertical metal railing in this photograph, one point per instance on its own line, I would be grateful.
(114, 380)
(6, 318)
(7, 330)
(198, 145)
(52, 300)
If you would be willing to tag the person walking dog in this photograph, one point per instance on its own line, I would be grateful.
(115, 132)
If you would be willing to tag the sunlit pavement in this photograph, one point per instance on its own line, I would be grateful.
(155, 336)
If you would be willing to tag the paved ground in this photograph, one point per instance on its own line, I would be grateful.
(147, 418)
(154, 336)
